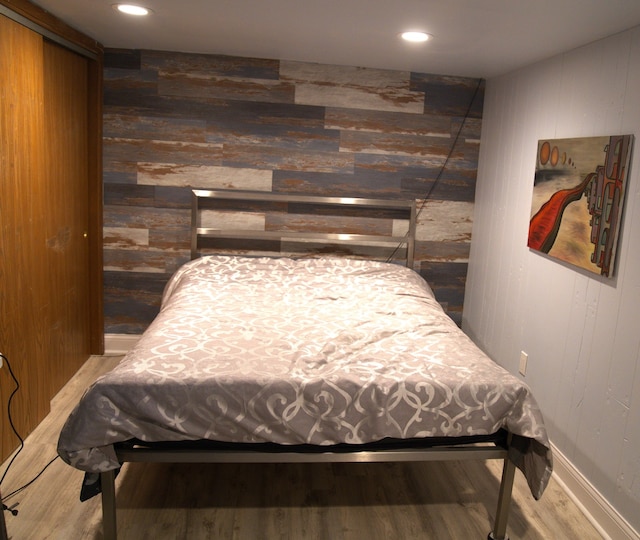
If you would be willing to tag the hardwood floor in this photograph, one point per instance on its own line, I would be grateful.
(454, 500)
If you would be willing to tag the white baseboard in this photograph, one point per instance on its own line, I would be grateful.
(119, 344)
(606, 519)
(609, 523)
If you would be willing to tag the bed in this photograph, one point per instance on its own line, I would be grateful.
(304, 358)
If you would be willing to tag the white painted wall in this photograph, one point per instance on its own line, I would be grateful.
(581, 331)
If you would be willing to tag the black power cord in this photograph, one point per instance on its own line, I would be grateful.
(16, 491)
(436, 181)
(12, 509)
(13, 427)
(452, 148)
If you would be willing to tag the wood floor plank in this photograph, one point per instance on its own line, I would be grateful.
(325, 501)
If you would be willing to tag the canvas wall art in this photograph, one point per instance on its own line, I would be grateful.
(578, 198)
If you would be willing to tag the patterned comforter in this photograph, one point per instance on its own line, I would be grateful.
(309, 351)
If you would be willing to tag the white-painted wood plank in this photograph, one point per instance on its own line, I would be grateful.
(580, 332)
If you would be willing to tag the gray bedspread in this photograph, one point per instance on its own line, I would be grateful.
(310, 351)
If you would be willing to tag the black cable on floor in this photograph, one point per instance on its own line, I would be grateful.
(15, 431)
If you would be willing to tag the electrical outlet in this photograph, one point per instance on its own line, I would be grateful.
(523, 363)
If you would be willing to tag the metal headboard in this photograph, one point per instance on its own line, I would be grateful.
(400, 209)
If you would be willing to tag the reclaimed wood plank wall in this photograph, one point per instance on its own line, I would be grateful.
(176, 121)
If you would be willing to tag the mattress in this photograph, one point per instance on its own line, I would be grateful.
(302, 351)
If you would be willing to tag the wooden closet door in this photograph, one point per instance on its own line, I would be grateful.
(66, 215)
(21, 193)
(43, 220)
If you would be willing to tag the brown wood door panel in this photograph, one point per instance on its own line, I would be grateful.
(66, 143)
(44, 178)
(21, 158)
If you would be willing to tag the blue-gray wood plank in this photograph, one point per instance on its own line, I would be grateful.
(175, 121)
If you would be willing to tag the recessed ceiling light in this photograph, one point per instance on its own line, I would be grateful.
(415, 37)
(131, 9)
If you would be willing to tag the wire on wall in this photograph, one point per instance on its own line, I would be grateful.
(452, 147)
(437, 179)
(13, 427)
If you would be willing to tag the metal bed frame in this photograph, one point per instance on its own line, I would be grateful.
(491, 447)
(307, 204)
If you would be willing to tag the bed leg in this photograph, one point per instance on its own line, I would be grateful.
(108, 485)
(504, 501)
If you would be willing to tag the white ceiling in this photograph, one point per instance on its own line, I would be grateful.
(474, 38)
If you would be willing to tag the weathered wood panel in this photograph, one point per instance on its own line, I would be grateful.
(176, 121)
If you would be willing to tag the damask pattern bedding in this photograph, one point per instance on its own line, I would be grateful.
(307, 351)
